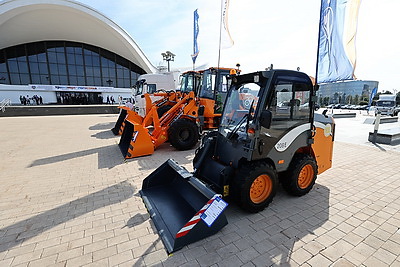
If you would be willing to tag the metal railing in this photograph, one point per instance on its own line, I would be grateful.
(4, 103)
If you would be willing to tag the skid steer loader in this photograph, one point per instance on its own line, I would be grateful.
(274, 139)
(182, 123)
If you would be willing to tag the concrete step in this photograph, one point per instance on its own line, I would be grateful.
(387, 136)
(383, 120)
(49, 110)
(344, 115)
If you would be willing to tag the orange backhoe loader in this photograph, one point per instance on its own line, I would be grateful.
(182, 123)
(165, 99)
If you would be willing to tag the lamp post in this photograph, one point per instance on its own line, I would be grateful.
(168, 56)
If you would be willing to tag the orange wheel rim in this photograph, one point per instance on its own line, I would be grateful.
(260, 189)
(306, 176)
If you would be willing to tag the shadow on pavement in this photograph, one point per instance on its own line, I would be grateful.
(102, 126)
(162, 154)
(137, 220)
(24, 230)
(108, 157)
(378, 146)
(103, 135)
(287, 220)
(267, 238)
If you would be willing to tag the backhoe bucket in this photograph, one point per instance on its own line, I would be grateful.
(118, 124)
(182, 208)
(135, 141)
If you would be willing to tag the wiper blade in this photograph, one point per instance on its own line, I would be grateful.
(231, 134)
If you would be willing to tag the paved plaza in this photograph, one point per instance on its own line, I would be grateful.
(68, 198)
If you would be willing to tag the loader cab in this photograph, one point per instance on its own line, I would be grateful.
(190, 81)
(214, 87)
(289, 103)
(276, 106)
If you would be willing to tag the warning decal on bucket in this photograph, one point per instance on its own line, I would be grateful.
(134, 136)
(213, 211)
(208, 219)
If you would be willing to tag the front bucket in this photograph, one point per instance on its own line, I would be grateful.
(135, 141)
(182, 208)
(117, 127)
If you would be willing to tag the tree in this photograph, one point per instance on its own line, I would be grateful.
(325, 101)
(349, 99)
(356, 99)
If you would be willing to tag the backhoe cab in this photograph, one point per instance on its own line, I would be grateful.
(275, 138)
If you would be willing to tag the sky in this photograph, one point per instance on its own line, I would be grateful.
(283, 33)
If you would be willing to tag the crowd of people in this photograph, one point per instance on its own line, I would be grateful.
(26, 100)
(110, 100)
(74, 98)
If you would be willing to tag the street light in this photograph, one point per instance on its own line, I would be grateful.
(168, 56)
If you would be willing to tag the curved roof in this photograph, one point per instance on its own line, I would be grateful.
(25, 21)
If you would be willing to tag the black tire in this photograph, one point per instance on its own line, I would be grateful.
(300, 178)
(255, 186)
(183, 134)
(162, 110)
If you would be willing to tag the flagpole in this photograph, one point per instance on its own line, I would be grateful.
(220, 33)
(319, 43)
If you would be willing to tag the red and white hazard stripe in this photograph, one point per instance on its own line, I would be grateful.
(195, 219)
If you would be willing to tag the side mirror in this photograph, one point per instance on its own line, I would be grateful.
(324, 113)
(266, 118)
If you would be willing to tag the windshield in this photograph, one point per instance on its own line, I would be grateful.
(139, 87)
(187, 82)
(385, 103)
(240, 100)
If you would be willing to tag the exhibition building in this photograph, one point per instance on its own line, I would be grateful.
(65, 52)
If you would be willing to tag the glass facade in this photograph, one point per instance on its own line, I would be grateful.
(66, 63)
(346, 92)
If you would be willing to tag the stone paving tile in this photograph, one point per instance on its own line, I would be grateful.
(68, 198)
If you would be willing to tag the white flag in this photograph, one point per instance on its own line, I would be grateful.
(226, 39)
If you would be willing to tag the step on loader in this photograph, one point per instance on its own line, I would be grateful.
(181, 123)
(277, 138)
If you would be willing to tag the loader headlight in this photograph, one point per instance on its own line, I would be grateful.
(251, 132)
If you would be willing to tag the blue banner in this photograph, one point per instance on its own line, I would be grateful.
(195, 34)
(336, 51)
(373, 93)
